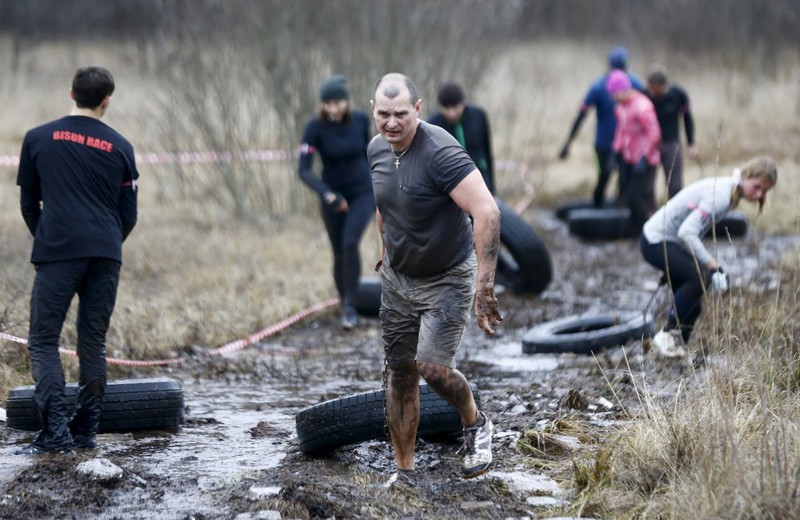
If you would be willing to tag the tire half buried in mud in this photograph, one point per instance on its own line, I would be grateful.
(368, 299)
(360, 417)
(587, 334)
(530, 270)
(128, 405)
(600, 223)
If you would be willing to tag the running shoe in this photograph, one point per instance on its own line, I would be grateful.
(477, 448)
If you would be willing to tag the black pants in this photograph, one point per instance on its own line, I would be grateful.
(606, 162)
(345, 230)
(637, 192)
(95, 281)
(687, 281)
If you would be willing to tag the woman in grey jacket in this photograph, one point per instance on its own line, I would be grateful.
(672, 242)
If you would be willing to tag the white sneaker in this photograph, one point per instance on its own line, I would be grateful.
(668, 344)
(477, 448)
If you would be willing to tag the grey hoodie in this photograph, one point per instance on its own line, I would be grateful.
(690, 214)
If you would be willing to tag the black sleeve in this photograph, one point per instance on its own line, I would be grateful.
(304, 167)
(128, 199)
(576, 125)
(489, 154)
(30, 194)
(29, 203)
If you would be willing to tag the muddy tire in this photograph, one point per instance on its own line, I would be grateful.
(733, 224)
(368, 301)
(527, 267)
(601, 223)
(562, 211)
(129, 405)
(587, 334)
(360, 417)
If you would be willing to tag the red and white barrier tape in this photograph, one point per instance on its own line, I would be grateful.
(230, 347)
(207, 157)
(258, 336)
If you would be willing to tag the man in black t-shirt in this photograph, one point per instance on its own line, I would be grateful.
(77, 180)
(435, 262)
(671, 102)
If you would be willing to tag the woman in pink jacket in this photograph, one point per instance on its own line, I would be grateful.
(636, 142)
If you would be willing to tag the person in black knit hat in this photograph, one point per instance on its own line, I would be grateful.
(340, 136)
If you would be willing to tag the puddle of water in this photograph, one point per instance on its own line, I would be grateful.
(508, 355)
(214, 448)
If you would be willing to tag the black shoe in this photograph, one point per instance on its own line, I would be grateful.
(84, 442)
(349, 318)
(32, 449)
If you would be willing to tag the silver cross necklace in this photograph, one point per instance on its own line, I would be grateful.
(397, 158)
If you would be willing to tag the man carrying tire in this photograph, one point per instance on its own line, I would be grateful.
(434, 263)
(77, 179)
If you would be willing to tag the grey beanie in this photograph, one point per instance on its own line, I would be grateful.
(334, 87)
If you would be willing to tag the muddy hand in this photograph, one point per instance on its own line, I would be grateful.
(487, 311)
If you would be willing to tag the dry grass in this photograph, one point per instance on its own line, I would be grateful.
(729, 445)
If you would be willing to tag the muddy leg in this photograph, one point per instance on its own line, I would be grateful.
(402, 408)
(453, 387)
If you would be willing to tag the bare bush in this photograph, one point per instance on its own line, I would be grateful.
(258, 86)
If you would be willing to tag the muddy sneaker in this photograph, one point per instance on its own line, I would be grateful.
(349, 318)
(404, 478)
(668, 344)
(477, 448)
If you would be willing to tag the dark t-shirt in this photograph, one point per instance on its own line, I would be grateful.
(477, 137)
(342, 148)
(84, 173)
(669, 108)
(426, 233)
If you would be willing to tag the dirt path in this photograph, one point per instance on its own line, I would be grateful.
(237, 455)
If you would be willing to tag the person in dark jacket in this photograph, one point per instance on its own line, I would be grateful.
(599, 98)
(469, 125)
(78, 197)
(340, 136)
(671, 102)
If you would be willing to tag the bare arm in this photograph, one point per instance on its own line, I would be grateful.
(474, 198)
(379, 221)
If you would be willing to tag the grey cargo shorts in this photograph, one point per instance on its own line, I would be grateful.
(423, 319)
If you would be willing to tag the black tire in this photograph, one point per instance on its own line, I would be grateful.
(368, 300)
(733, 224)
(129, 405)
(531, 270)
(587, 334)
(562, 211)
(360, 417)
(601, 223)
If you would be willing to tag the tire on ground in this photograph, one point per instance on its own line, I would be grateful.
(733, 224)
(601, 223)
(528, 269)
(368, 300)
(360, 417)
(562, 211)
(587, 334)
(129, 405)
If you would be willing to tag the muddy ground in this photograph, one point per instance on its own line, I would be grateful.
(237, 454)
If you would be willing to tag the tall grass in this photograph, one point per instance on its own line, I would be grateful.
(728, 445)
